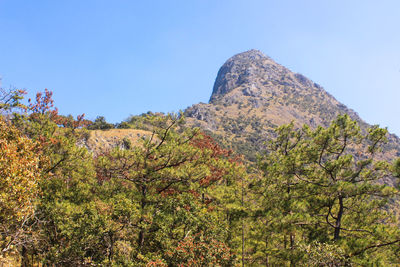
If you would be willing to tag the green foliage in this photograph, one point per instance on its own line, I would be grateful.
(396, 168)
(126, 143)
(315, 190)
(10, 100)
(179, 199)
(175, 178)
(322, 254)
(100, 123)
(124, 125)
(141, 121)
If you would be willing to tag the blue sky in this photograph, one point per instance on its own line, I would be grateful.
(117, 58)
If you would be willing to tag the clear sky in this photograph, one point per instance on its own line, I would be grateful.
(117, 58)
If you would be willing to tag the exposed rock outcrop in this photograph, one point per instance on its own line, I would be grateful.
(253, 94)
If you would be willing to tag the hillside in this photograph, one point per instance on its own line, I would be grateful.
(105, 140)
(253, 94)
(173, 197)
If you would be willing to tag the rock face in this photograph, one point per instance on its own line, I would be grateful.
(253, 94)
(243, 69)
(253, 77)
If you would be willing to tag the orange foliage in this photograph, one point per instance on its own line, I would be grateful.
(207, 142)
(44, 104)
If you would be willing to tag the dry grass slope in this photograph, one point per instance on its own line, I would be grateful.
(105, 140)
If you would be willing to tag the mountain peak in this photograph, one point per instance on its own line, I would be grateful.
(253, 80)
(245, 69)
(253, 95)
(251, 54)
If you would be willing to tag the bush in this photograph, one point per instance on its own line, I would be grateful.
(100, 124)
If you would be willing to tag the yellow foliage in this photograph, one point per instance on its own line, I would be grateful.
(19, 173)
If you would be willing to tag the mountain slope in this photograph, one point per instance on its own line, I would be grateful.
(252, 95)
(100, 141)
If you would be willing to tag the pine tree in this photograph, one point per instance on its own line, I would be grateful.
(179, 179)
(325, 185)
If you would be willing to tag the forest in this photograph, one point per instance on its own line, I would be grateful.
(314, 197)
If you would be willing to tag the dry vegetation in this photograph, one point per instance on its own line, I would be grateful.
(104, 140)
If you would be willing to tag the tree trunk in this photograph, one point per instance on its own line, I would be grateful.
(339, 219)
(24, 258)
(266, 251)
(143, 205)
(292, 264)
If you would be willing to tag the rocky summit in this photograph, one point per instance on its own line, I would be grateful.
(253, 95)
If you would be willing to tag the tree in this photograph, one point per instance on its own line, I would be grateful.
(396, 168)
(10, 100)
(129, 206)
(100, 124)
(67, 221)
(20, 173)
(20, 169)
(325, 185)
(173, 179)
(197, 251)
(63, 182)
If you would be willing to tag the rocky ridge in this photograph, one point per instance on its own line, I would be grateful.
(253, 94)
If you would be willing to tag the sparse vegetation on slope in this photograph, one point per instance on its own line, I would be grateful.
(253, 95)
